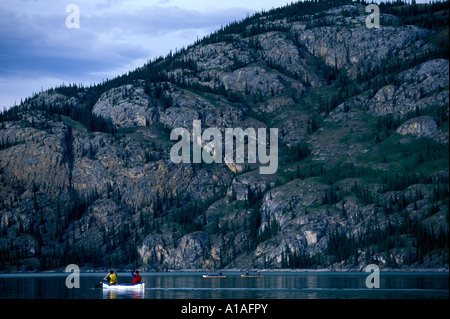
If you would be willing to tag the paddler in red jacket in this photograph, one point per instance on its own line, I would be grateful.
(136, 277)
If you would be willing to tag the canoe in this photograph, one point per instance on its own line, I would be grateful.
(249, 276)
(138, 286)
(213, 276)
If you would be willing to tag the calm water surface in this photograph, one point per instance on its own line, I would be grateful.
(273, 285)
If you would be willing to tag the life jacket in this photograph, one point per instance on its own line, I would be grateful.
(113, 279)
(136, 279)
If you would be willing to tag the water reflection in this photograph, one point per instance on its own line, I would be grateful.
(274, 285)
(311, 281)
(123, 294)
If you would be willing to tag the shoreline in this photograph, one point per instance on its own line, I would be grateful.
(237, 270)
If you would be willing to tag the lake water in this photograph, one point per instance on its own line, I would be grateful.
(273, 285)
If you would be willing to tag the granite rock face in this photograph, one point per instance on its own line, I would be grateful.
(362, 153)
(127, 106)
(190, 252)
(420, 127)
(420, 87)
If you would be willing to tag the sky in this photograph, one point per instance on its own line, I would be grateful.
(39, 51)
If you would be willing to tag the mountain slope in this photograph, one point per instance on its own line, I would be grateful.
(86, 175)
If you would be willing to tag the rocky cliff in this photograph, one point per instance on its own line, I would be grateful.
(86, 176)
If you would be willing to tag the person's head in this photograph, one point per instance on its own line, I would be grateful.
(137, 271)
(111, 271)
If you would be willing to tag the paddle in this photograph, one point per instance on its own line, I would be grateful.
(100, 283)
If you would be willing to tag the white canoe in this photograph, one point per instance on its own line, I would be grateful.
(138, 286)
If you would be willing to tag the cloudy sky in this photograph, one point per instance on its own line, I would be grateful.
(38, 51)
